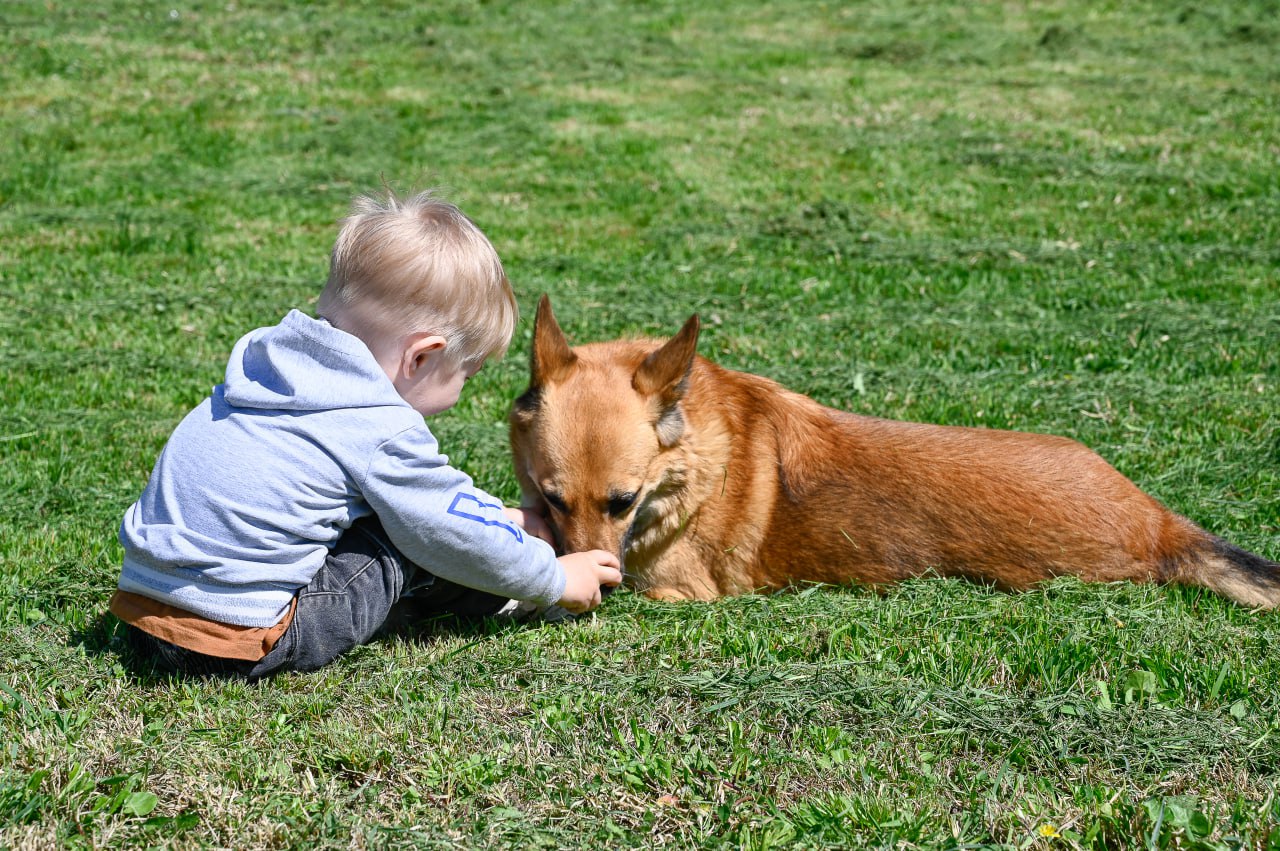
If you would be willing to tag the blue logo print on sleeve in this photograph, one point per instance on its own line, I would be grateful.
(455, 508)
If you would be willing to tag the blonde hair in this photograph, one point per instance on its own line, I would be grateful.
(419, 263)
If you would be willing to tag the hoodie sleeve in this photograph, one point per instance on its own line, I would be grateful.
(436, 516)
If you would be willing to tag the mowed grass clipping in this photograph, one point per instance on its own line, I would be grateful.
(1061, 218)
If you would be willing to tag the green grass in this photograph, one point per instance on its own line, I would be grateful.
(1059, 217)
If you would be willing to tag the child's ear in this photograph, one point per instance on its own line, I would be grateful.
(420, 349)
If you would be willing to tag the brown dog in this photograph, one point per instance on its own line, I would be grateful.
(709, 482)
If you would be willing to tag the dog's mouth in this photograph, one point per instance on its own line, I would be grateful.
(623, 548)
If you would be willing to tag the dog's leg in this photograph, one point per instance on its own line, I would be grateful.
(666, 594)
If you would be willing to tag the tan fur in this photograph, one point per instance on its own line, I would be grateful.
(742, 485)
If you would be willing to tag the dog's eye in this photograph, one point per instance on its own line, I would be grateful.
(621, 504)
(556, 501)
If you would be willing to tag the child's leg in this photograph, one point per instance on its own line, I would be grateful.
(350, 598)
(432, 596)
(345, 604)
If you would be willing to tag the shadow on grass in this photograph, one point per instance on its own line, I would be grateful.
(107, 637)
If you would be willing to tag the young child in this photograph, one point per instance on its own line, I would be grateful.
(292, 508)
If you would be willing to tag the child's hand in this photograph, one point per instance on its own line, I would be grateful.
(584, 574)
(532, 522)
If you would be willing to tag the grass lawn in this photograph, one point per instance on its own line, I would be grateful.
(1058, 217)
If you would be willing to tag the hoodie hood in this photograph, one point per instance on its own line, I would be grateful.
(305, 364)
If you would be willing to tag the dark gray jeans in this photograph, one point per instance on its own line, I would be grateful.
(345, 605)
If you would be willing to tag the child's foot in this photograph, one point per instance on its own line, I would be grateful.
(525, 612)
(515, 610)
(552, 614)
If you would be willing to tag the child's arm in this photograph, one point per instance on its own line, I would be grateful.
(435, 515)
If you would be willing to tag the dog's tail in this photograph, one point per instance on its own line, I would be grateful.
(1221, 566)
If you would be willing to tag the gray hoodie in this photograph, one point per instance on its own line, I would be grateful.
(305, 436)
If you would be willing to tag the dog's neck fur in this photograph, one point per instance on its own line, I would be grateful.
(714, 473)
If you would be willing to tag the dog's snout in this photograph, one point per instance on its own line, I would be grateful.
(577, 533)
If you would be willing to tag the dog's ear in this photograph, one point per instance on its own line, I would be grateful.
(551, 356)
(664, 374)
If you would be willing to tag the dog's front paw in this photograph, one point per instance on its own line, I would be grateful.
(666, 594)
